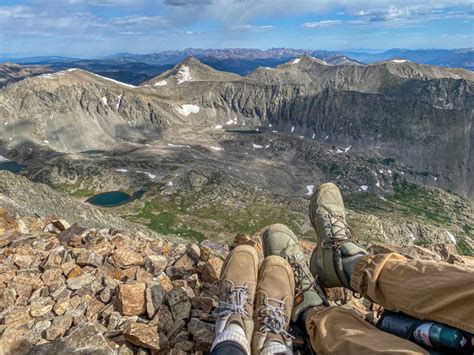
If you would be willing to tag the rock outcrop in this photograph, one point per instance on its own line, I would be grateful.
(68, 289)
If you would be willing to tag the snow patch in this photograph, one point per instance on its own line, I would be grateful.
(150, 175)
(268, 68)
(217, 148)
(296, 61)
(314, 135)
(364, 187)
(326, 138)
(114, 81)
(119, 101)
(187, 109)
(301, 137)
(178, 145)
(347, 149)
(72, 69)
(218, 126)
(292, 129)
(122, 170)
(47, 142)
(399, 60)
(104, 100)
(257, 146)
(170, 183)
(3, 158)
(310, 189)
(47, 76)
(269, 125)
(229, 122)
(451, 237)
(183, 74)
(274, 131)
(161, 83)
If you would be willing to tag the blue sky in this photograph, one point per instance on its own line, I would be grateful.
(93, 28)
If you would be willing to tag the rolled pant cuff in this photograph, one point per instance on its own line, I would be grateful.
(357, 277)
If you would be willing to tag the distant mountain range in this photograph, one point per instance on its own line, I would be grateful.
(137, 68)
(219, 153)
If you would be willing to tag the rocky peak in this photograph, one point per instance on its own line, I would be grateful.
(190, 70)
(342, 60)
(408, 69)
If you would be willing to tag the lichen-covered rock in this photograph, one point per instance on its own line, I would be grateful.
(146, 336)
(179, 303)
(211, 270)
(131, 299)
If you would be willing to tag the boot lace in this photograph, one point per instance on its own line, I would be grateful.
(274, 317)
(238, 297)
(300, 276)
(340, 231)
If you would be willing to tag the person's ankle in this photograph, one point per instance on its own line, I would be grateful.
(349, 263)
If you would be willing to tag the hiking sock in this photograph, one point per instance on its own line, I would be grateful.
(275, 347)
(232, 332)
(349, 263)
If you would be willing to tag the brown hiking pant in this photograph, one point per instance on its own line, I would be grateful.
(430, 290)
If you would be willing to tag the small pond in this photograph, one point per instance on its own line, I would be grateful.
(11, 166)
(114, 198)
(93, 152)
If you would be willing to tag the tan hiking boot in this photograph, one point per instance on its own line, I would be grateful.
(237, 285)
(328, 217)
(273, 305)
(280, 240)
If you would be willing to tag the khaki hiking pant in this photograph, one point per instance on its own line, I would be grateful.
(430, 290)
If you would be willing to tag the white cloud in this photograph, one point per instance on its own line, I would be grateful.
(15, 12)
(322, 24)
(148, 21)
(254, 28)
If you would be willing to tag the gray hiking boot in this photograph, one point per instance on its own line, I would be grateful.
(328, 217)
(237, 285)
(278, 239)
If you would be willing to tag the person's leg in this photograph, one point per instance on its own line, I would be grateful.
(228, 348)
(234, 315)
(331, 330)
(435, 291)
(280, 240)
(273, 304)
(339, 330)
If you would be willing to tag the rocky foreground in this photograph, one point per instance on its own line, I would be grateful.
(68, 289)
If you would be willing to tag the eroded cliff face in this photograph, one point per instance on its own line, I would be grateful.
(426, 126)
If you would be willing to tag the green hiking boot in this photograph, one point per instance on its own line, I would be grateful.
(328, 217)
(279, 240)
